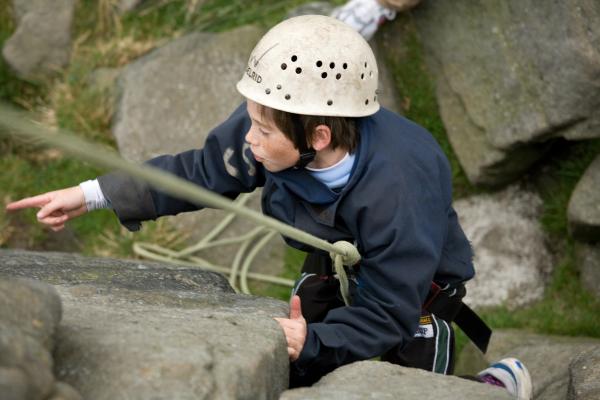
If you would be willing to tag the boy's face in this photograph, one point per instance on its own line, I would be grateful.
(268, 144)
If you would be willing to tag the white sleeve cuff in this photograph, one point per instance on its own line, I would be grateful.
(94, 198)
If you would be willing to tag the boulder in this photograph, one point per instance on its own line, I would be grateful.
(506, 271)
(141, 330)
(13, 383)
(41, 44)
(29, 315)
(546, 357)
(584, 374)
(382, 380)
(511, 75)
(169, 101)
(62, 391)
(587, 257)
(583, 211)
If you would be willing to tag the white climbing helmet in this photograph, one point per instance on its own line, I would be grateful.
(313, 65)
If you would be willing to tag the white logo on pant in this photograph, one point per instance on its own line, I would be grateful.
(424, 331)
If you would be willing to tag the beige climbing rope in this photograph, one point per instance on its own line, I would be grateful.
(16, 123)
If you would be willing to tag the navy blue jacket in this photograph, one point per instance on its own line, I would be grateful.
(396, 207)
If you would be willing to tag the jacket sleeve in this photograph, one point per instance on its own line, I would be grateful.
(401, 235)
(224, 165)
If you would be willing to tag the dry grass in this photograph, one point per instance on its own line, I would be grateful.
(108, 21)
(118, 243)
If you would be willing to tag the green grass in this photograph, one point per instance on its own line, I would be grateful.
(557, 177)
(292, 264)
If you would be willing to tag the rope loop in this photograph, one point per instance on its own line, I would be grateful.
(346, 254)
(347, 251)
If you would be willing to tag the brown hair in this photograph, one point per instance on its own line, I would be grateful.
(344, 133)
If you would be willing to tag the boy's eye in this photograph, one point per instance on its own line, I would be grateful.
(263, 132)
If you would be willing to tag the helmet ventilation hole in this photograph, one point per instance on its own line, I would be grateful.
(268, 91)
(345, 66)
(365, 64)
(362, 76)
(283, 66)
(294, 58)
(324, 75)
(298, 70)
(319, 64)
(329, 102)
(278, 87)
(366, 102)
(375, 98)
(287, 97)
(332, 65)
(370, 74)
(338, 76)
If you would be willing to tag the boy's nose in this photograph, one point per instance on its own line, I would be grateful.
(250, 137)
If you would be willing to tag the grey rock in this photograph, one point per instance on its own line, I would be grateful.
(547, 358)
(22, 7)
(583, 212)
(41, 44)
(73, 269)
(382, 380)
(137, 330)
(506, 271)
(13, 383)
(30, 306)
(584, 383)
(510, 75)
(170, 99)
(29, 314)
(588, 259)
(62, 391)
(25, 353)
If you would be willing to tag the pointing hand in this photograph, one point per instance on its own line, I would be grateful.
(56, 207)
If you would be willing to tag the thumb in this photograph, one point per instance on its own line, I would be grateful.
(295, 308)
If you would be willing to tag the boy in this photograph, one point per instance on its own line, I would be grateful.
(333, 164)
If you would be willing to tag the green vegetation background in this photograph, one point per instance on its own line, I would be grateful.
(103, 38)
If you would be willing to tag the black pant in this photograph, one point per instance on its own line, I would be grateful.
(431, 348)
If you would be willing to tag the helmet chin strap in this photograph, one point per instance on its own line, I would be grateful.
(305, 158)
(306, 154)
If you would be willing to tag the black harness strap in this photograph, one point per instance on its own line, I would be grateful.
(448, 305)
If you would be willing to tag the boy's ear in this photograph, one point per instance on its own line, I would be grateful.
(321, 137)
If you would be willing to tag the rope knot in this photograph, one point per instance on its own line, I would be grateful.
(345, 254)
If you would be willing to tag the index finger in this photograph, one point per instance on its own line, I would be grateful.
(35, 201)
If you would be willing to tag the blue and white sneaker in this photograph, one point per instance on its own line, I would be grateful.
(512, 375)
